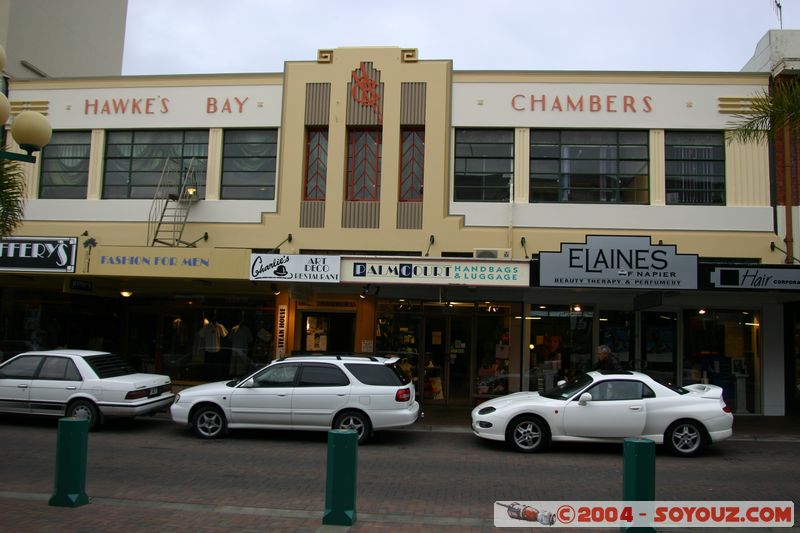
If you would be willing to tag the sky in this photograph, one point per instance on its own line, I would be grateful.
(213, 36)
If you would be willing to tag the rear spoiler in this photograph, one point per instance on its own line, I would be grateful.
(705, 390)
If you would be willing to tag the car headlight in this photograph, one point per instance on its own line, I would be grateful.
(487, 410)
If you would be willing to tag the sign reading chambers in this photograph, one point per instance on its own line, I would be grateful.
(618, 262)
(38, 254)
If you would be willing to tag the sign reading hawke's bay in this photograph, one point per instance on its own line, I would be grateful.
(627, 262)
(283, 267)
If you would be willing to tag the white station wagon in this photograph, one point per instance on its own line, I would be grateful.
(304, 392)
(80, 383)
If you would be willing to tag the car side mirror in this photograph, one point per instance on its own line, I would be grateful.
(585, 398)
(561, 382)
(248, 384)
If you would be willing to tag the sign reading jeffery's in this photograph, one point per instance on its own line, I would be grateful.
(618, 262)
(38, 254)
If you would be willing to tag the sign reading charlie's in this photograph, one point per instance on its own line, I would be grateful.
(38, 254)
(618, 262)
(283, 267)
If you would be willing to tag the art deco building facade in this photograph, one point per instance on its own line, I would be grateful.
(489, 228)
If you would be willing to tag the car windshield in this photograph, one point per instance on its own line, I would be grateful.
(108, 365)
(568, 389)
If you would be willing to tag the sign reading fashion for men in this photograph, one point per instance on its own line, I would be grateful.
(436, 271)
(38, 254)
(618, 262)
(283, 267)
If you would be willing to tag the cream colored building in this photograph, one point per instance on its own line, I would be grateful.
(492, 228)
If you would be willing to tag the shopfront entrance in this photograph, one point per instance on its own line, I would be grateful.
(448, 352)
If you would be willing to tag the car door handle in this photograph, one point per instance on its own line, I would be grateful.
(341, 395)
(283, 394)
(635, 407)
(72, 387)
(23, 385)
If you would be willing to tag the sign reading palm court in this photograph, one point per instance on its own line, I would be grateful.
(284, 267)
(436, 271)
(618, 262)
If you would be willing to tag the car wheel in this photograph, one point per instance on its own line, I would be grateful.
(528, 434)
(208, 422)
(685, 438)
(356, 421)
(85, 409)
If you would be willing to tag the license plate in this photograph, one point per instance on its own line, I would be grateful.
(154, 392)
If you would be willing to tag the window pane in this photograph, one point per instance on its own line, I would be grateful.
(695, 168)
(589, 166)
(249, 164)
(484, 165)
(65, 165)
(141, 157)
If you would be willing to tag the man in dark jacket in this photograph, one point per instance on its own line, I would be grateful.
(606, 360)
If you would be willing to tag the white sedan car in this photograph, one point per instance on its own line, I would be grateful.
(80, 383)
(608, 407)
(315, 393)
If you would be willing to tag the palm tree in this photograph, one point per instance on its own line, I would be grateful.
(770, 113)
(12, 196)
(774, 113)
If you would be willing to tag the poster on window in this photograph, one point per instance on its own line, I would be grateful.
(659, 344)
(316, 334)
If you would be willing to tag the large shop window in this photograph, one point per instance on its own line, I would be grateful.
(723, 348)
(65, 165)
(248, 164)
(136, 159)
(412, 165)
(560, 344)
(364, 166)
(316, 165)
(695, 170)
(589, 166)
(484, 165)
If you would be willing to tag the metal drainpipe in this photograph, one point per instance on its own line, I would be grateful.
(787, 195)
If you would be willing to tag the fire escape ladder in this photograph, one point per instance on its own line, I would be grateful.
(176, 193)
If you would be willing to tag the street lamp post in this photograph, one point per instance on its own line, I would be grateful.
(30, 130)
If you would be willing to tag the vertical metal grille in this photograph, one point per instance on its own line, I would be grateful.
(318, 98)
(412, 104)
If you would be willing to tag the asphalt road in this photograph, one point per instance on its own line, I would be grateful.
(150, 473)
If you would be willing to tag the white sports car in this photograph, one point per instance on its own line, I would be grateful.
(608, 407)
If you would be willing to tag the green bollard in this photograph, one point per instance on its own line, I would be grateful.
(639, 474)
(71, 447)
(340, 490)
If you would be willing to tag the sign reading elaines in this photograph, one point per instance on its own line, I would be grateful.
(630, 262)
(283, 267)
(38, 254)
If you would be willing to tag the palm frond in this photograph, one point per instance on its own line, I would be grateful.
(769, 113)
(12, 196)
